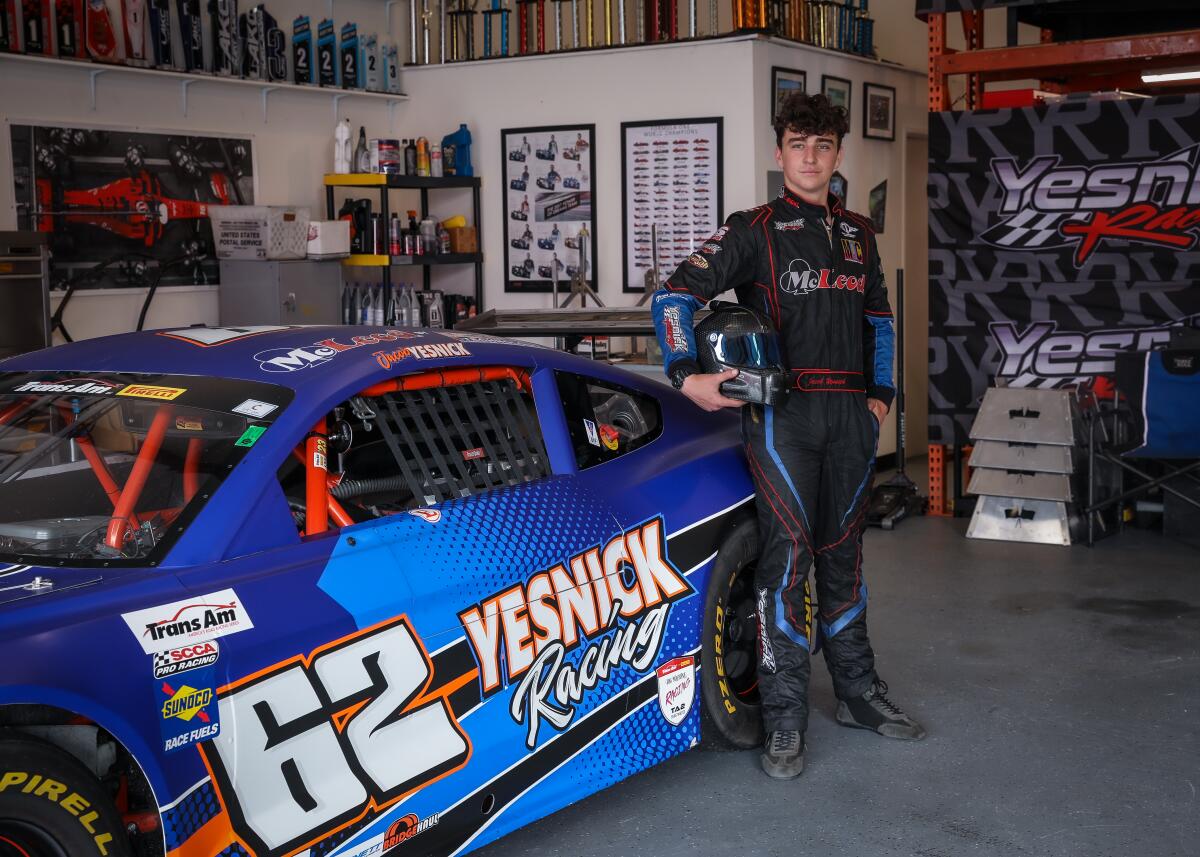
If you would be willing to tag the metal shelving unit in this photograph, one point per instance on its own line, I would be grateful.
(384, 183)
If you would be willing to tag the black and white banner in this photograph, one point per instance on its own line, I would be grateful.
(1059, 237)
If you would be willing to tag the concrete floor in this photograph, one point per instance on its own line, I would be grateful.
(1060, 688)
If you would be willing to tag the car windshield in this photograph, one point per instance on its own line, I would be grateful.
(110, 468)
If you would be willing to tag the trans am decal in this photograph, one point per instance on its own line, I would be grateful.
(192, 621)
(524, 633)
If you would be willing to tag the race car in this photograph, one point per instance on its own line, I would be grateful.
(300, 591)
(546, 244)
(571, 182)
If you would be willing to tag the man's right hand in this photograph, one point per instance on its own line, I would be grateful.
(705, 390)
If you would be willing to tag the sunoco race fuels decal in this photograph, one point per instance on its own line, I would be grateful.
(524, 634)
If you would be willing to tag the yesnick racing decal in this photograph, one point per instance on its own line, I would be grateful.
(523, 634)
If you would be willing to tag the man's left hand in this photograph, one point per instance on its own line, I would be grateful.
(879, 409)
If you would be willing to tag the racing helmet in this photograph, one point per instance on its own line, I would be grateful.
(739, 337)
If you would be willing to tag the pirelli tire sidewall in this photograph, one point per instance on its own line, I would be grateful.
(726, 721)
(67, 805)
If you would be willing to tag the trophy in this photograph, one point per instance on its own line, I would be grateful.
(488, 15)
(418, 32)
(541, 26)
(558, 24)
(462, 32)
(749, 14)
(523, 25)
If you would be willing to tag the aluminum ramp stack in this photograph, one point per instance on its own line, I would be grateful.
(1023, 466)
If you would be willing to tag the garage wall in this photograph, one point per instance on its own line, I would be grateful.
(293, 145)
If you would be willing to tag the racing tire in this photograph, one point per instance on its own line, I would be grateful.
(65, 812)
(731, 717)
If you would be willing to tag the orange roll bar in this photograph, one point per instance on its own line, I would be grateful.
(191, 469)
(336, 511)
(103, 476)
(132, 492)
(316, 470)
(13, 409)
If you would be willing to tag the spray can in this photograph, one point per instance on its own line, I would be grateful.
(422, 157)
(435, 160)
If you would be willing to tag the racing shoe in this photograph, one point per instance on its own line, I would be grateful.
(783, 755)
(873, 710)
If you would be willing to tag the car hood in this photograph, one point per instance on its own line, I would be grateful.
(19, 582)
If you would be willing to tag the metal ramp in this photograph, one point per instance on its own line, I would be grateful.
(1023, 466)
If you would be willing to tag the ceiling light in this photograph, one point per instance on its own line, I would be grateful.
(1170, 75)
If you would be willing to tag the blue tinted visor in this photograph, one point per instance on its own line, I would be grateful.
(748, 350)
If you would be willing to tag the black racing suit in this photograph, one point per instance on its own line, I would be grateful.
(812, 458)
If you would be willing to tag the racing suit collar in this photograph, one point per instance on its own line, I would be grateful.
(832, 203)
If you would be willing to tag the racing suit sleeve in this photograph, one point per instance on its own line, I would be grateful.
(879, 337)
(698, 279)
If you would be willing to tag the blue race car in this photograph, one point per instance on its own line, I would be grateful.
(345, 591)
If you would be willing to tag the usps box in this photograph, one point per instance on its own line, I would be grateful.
(259, 232)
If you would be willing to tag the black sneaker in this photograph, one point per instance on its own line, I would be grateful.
(783, 754)
(874, 711)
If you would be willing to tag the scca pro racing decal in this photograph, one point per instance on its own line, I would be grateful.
(323, 739)
(607, 607)
(184, 658)
(304, 356)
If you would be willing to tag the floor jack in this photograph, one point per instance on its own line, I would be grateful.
(898, 498)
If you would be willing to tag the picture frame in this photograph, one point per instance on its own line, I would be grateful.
(877, 206)
(549, 198)
(839, 91)
(879, 111)
(784, 82)
(839, 187)
(671, 179)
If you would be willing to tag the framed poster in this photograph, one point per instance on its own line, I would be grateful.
(103, 194)
(879, 111)
(548, 202)
(838, 91)
(839, 187)
(784, 82)
(670, 193)
(877, 205)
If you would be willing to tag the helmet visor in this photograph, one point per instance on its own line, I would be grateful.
(748, 350)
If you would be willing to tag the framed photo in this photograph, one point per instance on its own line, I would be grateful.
(838, 91)
(879, 111)
(549, 200)
(670, 194)
(839, 187)
(784, 82)
(877, 205)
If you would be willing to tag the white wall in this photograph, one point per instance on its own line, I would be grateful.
(728, 77)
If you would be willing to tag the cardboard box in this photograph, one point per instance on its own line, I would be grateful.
(464, 240)
(328, 238)
(259, 231)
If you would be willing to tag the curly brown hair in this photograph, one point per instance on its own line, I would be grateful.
(808, 115)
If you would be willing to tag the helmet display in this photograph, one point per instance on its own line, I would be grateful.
(739, 337)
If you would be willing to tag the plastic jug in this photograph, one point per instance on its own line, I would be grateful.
(461, 141)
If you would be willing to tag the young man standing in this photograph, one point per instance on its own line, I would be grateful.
(814, 269)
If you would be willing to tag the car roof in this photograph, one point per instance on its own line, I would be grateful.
(316, 361)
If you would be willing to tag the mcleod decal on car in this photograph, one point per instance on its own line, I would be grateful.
(304, 356)
(324, 738)
(521, 636)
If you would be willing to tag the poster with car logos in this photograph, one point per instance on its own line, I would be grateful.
(549, 207)
(670, 194)
(1059, 237)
